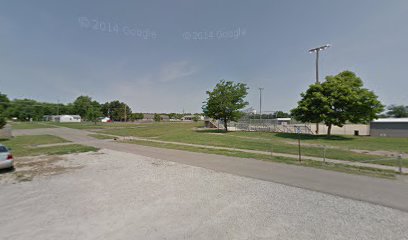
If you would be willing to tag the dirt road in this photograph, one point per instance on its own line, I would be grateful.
(117, 195)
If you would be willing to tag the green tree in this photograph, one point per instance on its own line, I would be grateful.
(4, 104)
(157, 117)
(225, 101)
(93, 114)
(175, 116)
(397, 111)
(116, 110)
(281, 114)
(136, 116)
(338, 100)
(81, 105)
(3, 121)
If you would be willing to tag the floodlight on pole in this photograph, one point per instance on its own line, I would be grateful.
(260, 103)
(317, 50)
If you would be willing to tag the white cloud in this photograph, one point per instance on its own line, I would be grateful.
(175, 71)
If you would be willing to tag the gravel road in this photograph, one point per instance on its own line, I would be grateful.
(117, 195)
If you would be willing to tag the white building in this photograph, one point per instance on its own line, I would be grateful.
(67, 118)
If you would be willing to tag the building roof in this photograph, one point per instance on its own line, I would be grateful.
(390, 120)
(283, 119)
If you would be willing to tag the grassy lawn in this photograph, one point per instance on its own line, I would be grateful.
(29, 125)
(338, 146)
(91, 125)
(328, 166)
(26, 146)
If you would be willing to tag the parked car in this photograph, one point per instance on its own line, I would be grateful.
(105, 120)
(6, 158)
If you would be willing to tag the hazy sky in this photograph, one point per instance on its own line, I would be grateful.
(162, 56)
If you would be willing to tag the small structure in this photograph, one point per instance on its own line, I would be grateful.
(68, 118)
(164, 117)
(389, 127)
(192, 117)
(148, 117)
(283, 121)
(62, 118)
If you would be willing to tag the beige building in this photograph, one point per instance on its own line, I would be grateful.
(347, 129)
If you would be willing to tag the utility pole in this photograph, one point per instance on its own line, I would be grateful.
(260, 103)
(125, 113)
(317, 50)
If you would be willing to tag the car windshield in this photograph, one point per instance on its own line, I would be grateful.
(3, 149)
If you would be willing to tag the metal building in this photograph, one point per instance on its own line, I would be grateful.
(389, 127)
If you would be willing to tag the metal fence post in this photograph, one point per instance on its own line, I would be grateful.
(324, 153)
(400, 163)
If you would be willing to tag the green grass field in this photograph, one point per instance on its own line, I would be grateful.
(315, 164)
(27, 146)
(338, 147)
(91, 125)
(29, 125)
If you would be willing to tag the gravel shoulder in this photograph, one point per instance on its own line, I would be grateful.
(118, 195)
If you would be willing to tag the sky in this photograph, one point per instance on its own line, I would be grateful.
(162, 56)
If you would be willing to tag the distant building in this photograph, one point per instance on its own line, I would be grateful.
(283, 121)
(148, 117)
(191, 117)
(164, 117)
(62, 118)
(389, 127)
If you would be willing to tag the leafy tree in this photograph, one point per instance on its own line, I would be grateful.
(281, 114)
(81, 105)
(136, 116)
(93, 114)
(397, 111)
(225, 101)
(338, 100)
(175, 116)
(157, 117)
(3, 121)
(4, 104)
(196, 118)
(116, 110)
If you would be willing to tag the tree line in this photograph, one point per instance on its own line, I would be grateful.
(84, 106)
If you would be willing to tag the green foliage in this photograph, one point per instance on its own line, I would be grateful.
(176, 116)
(136, 116)
(3, 121)
(116, 110)
(338, 100)
(226, 101)
(397, 111)
(281, 114)
(83, 104)
(27, 109)
(157, 117)
(93, 114)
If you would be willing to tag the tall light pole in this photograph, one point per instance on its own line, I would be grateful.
(260, 103)
(317, 50)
